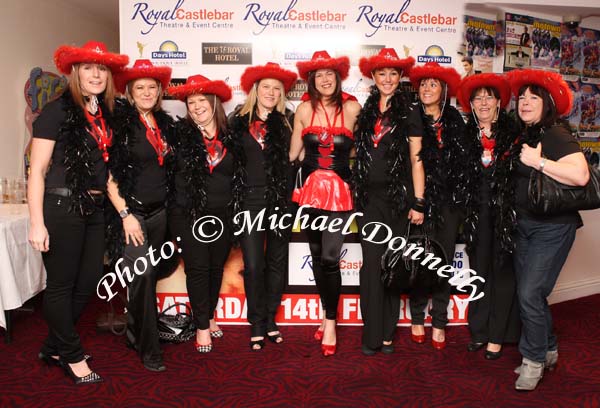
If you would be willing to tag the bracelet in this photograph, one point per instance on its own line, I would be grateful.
(542, 164)
(419, 205)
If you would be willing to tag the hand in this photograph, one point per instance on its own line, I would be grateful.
(531, 156)
(39, 238)
(416, 217)
(133, 230)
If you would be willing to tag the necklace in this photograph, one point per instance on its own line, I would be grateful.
(216, 151)
(98, 130)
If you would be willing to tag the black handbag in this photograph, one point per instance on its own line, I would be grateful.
(549, 197)
(400, 271)
(176, 328)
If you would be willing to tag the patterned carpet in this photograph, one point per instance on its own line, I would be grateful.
(295, 374)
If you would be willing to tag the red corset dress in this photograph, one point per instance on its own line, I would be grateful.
(326, 168)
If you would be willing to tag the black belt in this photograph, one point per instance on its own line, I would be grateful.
(148, 212)
(97, 197)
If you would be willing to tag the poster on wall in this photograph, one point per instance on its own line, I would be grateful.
(518, 48)
(221, 39)
(590, 51)
(479, 42)
(574, 116)
(589, 105)
(545, 39)
(571, 43)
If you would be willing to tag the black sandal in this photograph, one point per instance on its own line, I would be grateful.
(260, 343)
(276, 338)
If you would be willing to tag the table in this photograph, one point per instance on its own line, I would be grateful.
(22, 273)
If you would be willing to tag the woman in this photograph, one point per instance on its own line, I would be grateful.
(384, 187)
(137, 188)
(446, 159)
(323, 137)
(66, 196)
(262, 128)
(205, 166)
(542, 241)
(493, 319)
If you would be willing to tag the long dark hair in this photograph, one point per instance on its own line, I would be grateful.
(219, 113)
(315, 95)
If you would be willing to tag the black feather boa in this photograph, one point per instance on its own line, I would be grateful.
(398, 170)
(505, 160)
(276, 164)
(125, 167)
(449, 170)
(79, 167)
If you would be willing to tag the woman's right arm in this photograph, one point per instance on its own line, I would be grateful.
(41, 153)
(296, 145)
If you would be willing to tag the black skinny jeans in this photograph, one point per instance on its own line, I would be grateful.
(74, 265)
(142, 314)
(265, 263)
(204, 261)
(440, 294)
(325, 247)
(380, 307)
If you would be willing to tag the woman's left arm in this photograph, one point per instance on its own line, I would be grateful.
(571, 169)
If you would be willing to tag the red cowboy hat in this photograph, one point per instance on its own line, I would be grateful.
(322, 60)
(142, 68)
(433, 70)
(92, 52)
(473, 82)
(387, 58)
(553, 82)
(198, 84)
(269, 70)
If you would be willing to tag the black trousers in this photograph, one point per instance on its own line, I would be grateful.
(440, 294)
(380, 307)
(495, 317)
(204, 262)
(74, 265)
(142, 331)
(265, 263)
(325, 247)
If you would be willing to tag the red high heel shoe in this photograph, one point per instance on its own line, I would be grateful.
(418, 338)
(438, 345)
(328, 349)
(319, 334)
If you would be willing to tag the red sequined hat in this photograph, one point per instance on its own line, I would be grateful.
(142, 68)
(553, 82)
(198, 84)
(92, 52)
(269, 70)
(487, 80)
(322, 60)
(387, 58)
(447, 75)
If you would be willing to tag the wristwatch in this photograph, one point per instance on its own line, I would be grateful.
(124, 212)
(542, 164)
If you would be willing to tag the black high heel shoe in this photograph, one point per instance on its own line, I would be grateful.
(91, 378)
(49, 360)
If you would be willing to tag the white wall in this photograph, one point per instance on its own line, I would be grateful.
(32, 30)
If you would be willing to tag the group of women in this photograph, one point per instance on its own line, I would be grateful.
(415, 164)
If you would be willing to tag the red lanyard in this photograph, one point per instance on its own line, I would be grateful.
(487, 143)
(101, 134)
(438, 133)
(326, 138)
(216, 151)
(377, 132)
(258, 130)
(155, 139)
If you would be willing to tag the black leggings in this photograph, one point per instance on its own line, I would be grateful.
(325, 247)
(204, 262)
(142, 315)
(264, 270)
(440, 295)
(74, 265)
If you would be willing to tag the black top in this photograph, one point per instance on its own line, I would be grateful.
(415, 124)
(379, 164)
(218, 183)
(47, 126)
(557, 142)
(255, 159)
(336, 159)
(151, 186)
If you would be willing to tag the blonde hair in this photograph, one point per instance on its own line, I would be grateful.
(77, 95)
(252, 100)
(129, 97)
